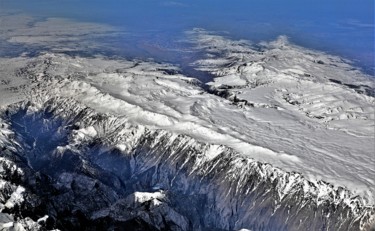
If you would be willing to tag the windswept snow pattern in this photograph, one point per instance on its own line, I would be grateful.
(282, 140)
(318, 107)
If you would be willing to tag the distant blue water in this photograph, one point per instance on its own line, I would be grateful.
(341, 27)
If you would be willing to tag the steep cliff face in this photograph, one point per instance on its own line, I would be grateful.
(96, 143)
(90, 170)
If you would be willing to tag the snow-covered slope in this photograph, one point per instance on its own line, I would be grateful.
(317, 106)
(283, 140)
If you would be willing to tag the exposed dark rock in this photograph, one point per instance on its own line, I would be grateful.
(158, 184)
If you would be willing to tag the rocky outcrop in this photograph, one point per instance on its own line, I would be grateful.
(85, 170)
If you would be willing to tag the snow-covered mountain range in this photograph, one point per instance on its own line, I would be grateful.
(281, 139)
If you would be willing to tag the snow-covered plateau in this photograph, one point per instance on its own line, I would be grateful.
(282, 139)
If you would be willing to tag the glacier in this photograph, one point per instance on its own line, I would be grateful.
(282, 139)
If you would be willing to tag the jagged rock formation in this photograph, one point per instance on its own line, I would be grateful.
(87, 170)
(114, 144)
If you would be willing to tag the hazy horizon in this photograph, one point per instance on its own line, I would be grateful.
(344, 28)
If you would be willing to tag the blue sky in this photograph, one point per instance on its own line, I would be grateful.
(343, 27)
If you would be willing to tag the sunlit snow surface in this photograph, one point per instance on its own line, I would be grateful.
(299, 110)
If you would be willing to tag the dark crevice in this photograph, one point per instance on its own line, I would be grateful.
(74, 185)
